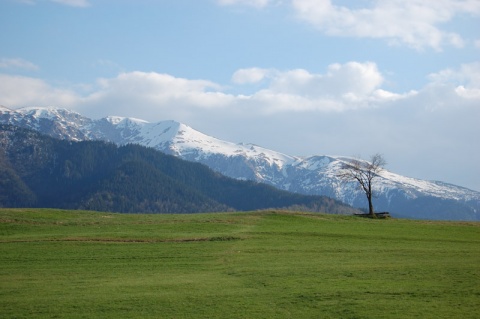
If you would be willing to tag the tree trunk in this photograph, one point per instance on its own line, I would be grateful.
(370, 208)
(370, 203)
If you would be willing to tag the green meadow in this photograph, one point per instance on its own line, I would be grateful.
(268, 264)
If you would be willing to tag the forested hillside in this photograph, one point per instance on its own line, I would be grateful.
(39, 171)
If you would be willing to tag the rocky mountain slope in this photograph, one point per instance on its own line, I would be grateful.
(315, 175)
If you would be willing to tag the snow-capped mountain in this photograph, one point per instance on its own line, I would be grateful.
(315, 175)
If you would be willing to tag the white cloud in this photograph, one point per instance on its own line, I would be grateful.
(465, 80)
(19, 91)
(251, 75)
(253, 3)
(416, 23)
(152, 95)
(352, 78)
(343, 87)
(17, 63)
(352, 86)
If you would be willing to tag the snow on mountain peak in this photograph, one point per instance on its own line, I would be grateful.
(125, 121)
(189, 142)
(4, 109)
(46, 112)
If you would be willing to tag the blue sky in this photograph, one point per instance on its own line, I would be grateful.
(304, 77)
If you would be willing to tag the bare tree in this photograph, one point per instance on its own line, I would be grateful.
(364, 173)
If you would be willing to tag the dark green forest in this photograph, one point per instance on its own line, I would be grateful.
(40, 171)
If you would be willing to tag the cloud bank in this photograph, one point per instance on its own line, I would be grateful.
(341, 88)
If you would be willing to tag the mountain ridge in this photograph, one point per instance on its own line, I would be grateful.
(313, 175)
(40, 171)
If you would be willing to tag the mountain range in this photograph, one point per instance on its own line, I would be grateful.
(315, 175)
(40, 171)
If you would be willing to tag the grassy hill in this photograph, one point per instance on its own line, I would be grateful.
(269, 264)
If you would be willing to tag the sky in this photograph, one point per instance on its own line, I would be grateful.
(303, 77)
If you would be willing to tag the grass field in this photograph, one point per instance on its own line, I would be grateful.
(72, 264)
